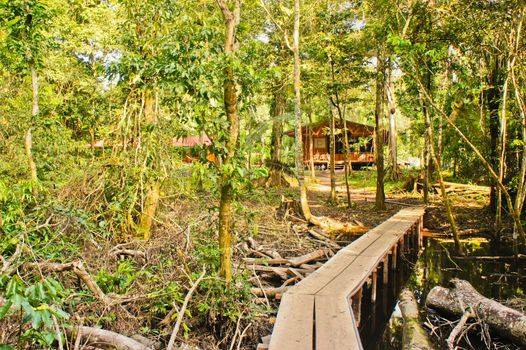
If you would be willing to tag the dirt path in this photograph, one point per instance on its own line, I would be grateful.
(323, 185)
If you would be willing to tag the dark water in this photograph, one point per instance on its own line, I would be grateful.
(380, 327)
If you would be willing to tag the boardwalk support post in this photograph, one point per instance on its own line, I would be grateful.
(386, 269)
(356, 303)
(373, 291)
(395, 254)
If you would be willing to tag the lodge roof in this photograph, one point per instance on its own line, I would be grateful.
(322, 128)
(191, 141)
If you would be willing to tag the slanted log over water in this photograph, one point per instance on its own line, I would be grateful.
(501, 319)
(414, 336)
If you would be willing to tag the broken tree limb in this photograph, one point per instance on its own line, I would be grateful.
(280, 271)
(268, 292)
(267, 252)
(492, 258)
(97, 336)
(324, 239)
(458, 328)
(183, 309)
(414, 336)
(267, 261)
(312, 256)
(325, 223)
(78, 268)
(503, 320)
(8, 267)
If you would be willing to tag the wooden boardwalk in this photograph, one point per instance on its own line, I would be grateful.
(323, 311)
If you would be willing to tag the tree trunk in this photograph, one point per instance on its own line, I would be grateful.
(346, 161)
(457, 106)
(151, 201)
(414, 336)
(148, 213)
(346, 140)
(231, 19)
(29, 136)
(502, 158)
(493, 102)
(277, 138)
(332, 154)
(393, 136)
(503, 320)
(445, 196)
(150, 115)
(311, 149)
(297, 91)
(521, 190)
(379, 132)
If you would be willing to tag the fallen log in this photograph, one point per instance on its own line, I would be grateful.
(269, 292)
(97, 336)
(324, 239)
(307, 258)
(414, 336)
(267, 261)
(139, 255)
(492, 258)
(267, 252)
(282, 272)
(507, 322)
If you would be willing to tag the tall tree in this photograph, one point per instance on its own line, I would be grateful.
(379, 131)
(231, 16)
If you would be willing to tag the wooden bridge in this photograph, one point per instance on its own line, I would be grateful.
(323, 311)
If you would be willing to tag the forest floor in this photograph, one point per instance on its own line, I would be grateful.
(149, 284)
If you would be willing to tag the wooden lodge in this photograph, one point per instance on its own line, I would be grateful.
(317, 135)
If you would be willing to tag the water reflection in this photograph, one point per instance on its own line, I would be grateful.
(381, 322)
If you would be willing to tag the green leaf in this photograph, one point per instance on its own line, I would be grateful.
(13, 21)
(5, 308)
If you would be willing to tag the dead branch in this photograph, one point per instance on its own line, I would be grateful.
(268, 292)
(491, 258)
(139, 255)
(267, 261)
(7, 264)
(183, 309)
(97, 336)
(78, 268)
(458, 328)
(268, 252)
(322, 239)
(503, 320)
(312, 256)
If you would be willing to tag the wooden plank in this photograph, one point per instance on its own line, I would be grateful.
(319, 278)
(294, 326)
(350, 278)
(376, 243)
(325, 292)
(335, 327)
